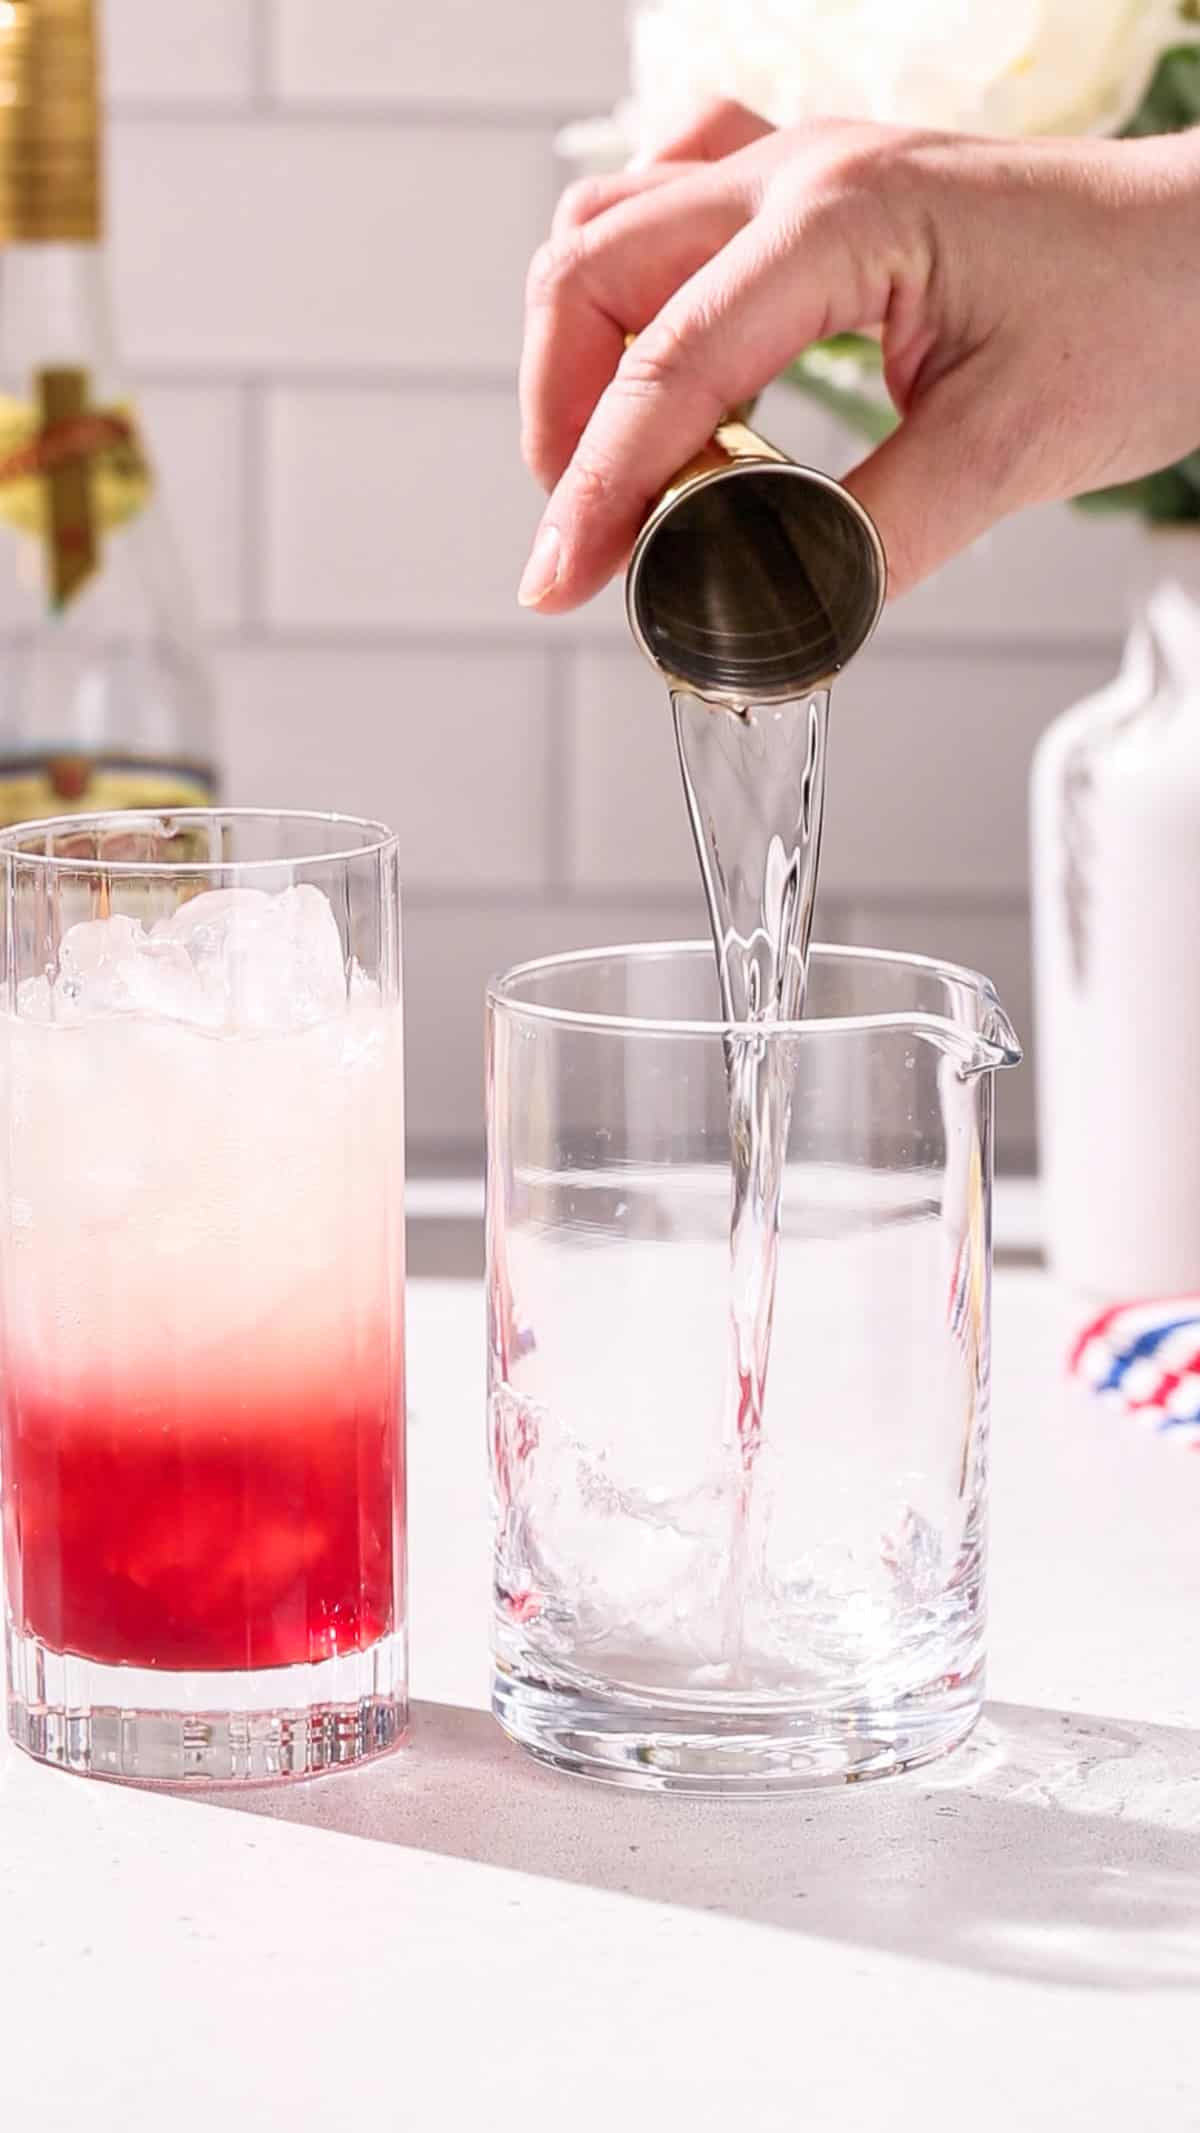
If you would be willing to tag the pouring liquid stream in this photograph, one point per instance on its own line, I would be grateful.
(754, 779)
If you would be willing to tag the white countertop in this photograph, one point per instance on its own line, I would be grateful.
(453, 1937)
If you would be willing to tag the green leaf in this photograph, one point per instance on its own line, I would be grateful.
(829, 373)
(865, 351)
(1172, 100)
(1169, 498)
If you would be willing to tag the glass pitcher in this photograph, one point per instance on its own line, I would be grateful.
(667, 1612)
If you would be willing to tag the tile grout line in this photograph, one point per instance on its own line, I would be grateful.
(261, 33)
(451, 640)
(904, 900)
(252, 460)
(528, 901)
(481, 379)
(839, 911)
(263, 107)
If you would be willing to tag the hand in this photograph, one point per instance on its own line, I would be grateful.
(1039, 306)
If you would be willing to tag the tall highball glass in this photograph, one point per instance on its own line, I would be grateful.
(201, 1293)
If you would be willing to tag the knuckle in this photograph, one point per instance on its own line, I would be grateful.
(657, 359)
(591, 481)
(848, 185)
(845, 168)
(580, 201)
(877, 159)
(718, 115)
(846, 161)
(555, 266)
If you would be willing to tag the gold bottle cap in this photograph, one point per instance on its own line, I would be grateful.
(49, 122)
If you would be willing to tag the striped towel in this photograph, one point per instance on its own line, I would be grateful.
(1143, 1360)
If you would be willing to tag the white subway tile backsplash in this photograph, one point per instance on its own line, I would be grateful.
(517, 53)
(397, 510)
(603, 617)
(450, 954)
(449, 749)
(177, 55)
(627, 826)
(195, 442)
(928, 771)
(1050, 574)
(929, 766)
(803, 430)
(265, 244)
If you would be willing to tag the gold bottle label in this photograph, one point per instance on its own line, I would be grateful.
(49, 123)
(35, 786)
(68, 473)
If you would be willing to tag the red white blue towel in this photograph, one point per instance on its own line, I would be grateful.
(1143, 1360)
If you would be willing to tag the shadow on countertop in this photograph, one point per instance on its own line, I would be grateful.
(1053, 1847)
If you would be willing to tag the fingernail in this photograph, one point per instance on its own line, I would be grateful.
(541, 570)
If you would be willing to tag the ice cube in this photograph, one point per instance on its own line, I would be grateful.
(204, 922)
(313, 960)
(266, 962)
(35, 1000)
(232, 959)
(94, 962)
(205, 931)
(111, 966)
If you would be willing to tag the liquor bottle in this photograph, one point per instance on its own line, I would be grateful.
(104, 693)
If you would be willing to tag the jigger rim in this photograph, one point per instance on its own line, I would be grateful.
(734, 469)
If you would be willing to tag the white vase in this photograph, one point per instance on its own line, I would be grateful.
(1116, 906)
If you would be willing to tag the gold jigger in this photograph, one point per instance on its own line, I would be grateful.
(754, 579)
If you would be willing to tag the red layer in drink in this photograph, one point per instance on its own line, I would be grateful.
(205, 1534)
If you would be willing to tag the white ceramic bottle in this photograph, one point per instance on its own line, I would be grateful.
(1116, 905)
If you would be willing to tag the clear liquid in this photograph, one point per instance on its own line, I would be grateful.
(755, 785)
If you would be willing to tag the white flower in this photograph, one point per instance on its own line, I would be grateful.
(983, 66)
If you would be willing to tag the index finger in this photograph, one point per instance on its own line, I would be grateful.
(600, 282)
(718, 341)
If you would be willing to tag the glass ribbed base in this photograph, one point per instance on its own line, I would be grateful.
(162, 1728)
